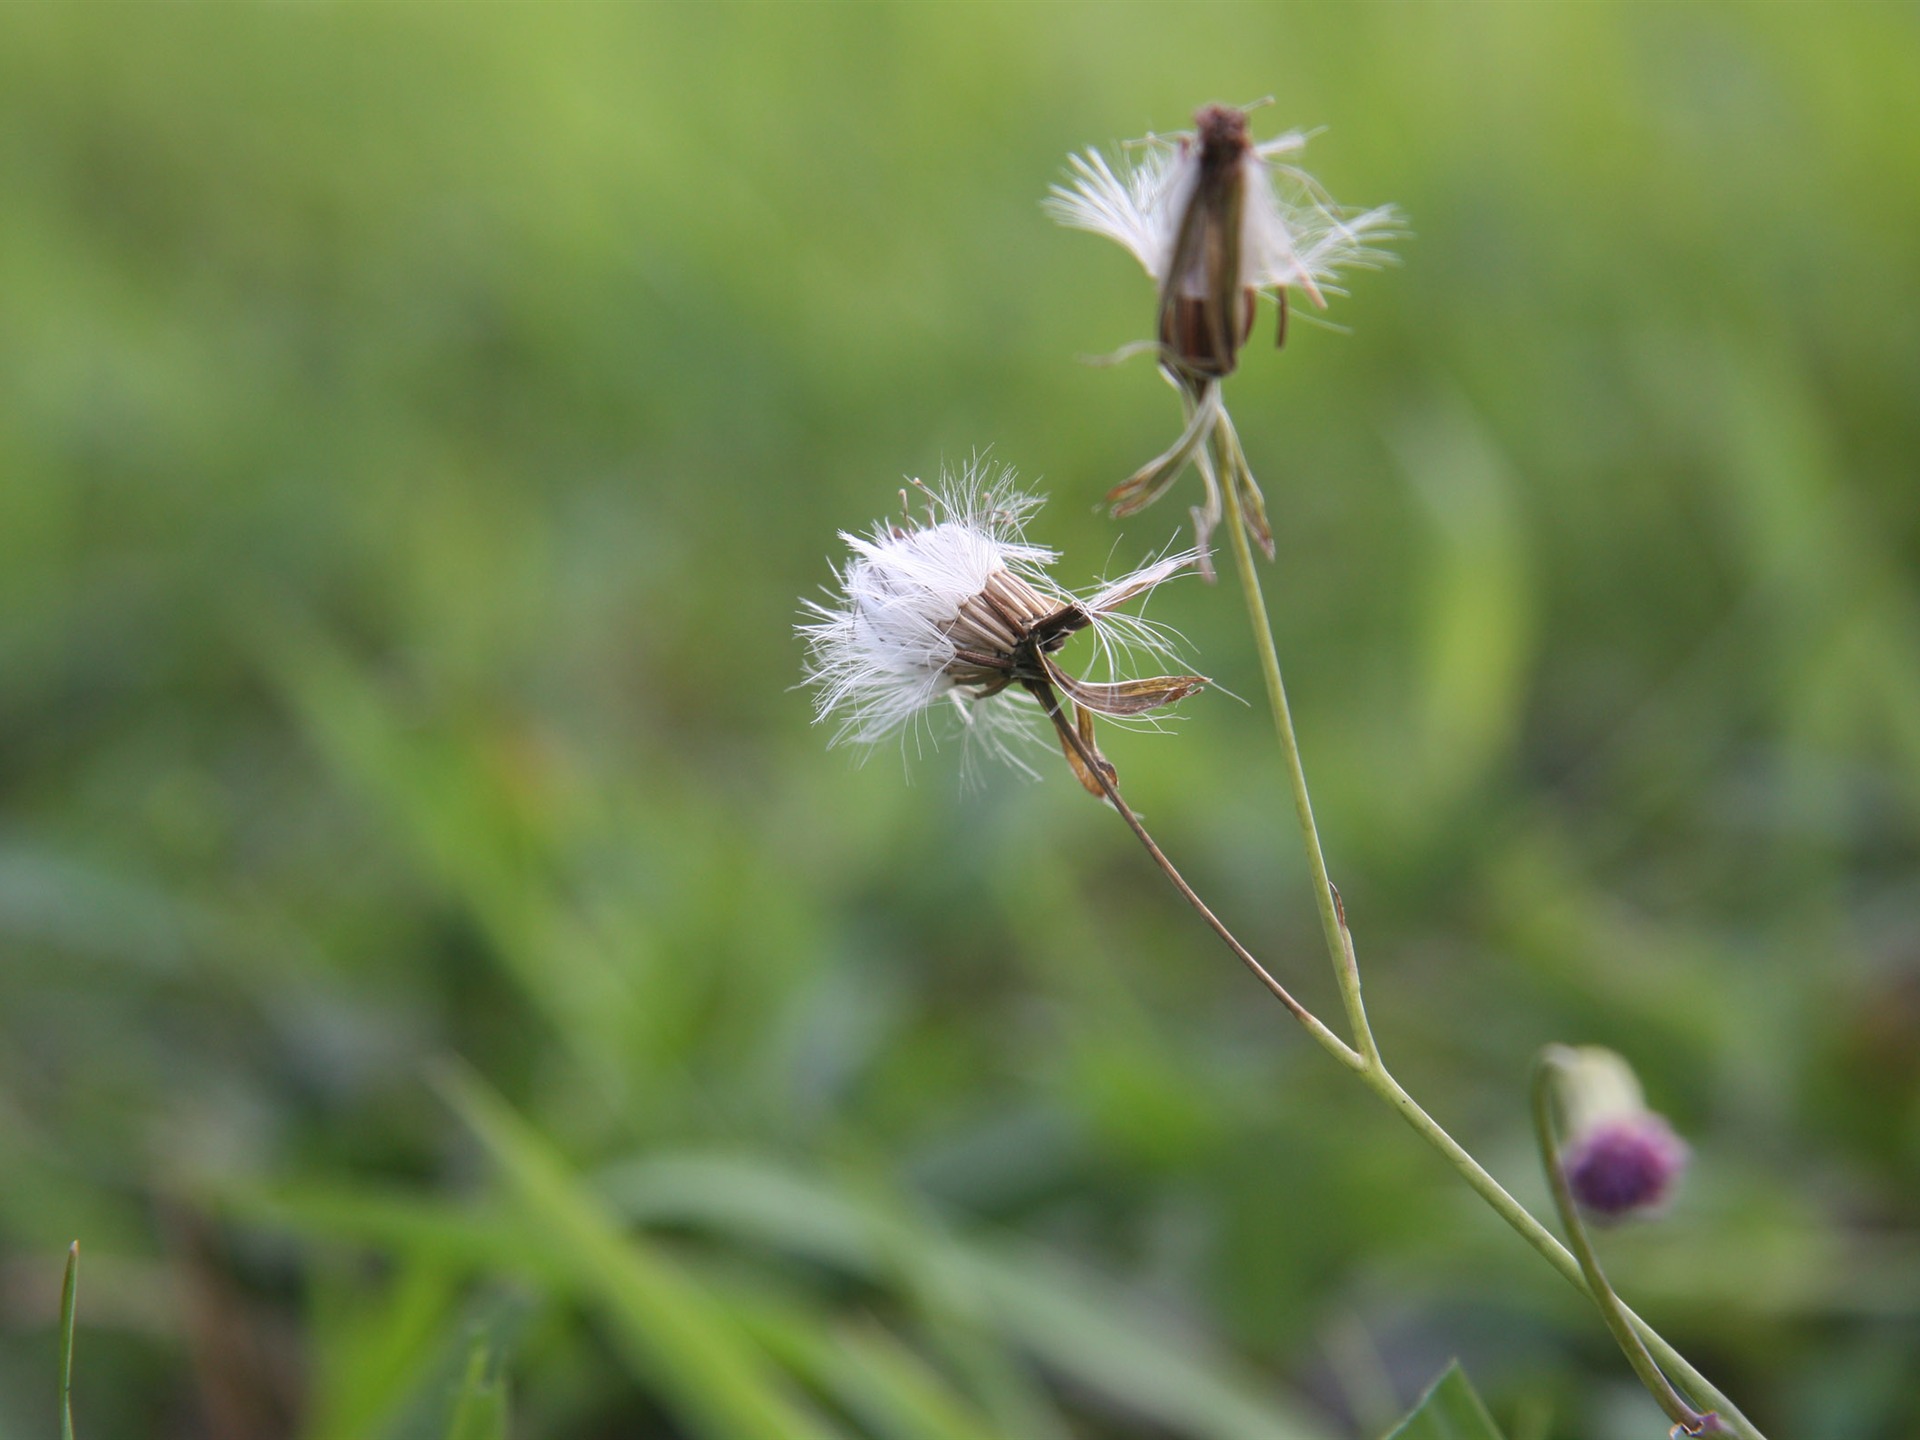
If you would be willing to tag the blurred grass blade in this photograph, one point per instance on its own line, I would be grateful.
(700, 1364)
(370, 1345)
(1476, 603)
(67, 1289)
(480, 1407)
(1065, 1321)
(420, 1227)
(886, 1380)
(1023, 1297)
(1093, 1338)
(885, 1384)
(956, 1323)
(1450, 1410)
(462, 832)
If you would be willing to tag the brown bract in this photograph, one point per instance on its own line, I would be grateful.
(1007, 635)
(1206, 308)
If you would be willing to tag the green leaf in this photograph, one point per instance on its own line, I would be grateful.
(1451, 1410)
(480, 1407)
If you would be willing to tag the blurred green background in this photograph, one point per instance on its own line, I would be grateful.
(426, 911)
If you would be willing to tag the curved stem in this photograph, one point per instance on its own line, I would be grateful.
(1103, 774)
(1552, 1064)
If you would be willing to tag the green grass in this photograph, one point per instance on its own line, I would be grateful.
(68, 1290)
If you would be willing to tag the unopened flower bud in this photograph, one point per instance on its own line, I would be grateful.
(1206, 303)
(1621, 1158)
(1626, 1166)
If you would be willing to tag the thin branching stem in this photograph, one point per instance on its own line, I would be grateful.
(1372, 1068)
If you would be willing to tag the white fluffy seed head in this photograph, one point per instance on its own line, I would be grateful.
(1293, 236)
(904, 633)
(883, 652)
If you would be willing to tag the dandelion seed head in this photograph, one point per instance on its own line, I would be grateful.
(954, 617)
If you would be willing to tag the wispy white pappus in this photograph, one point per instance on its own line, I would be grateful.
(948, 610)
(1214, 218)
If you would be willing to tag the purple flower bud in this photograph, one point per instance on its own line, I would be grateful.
(1625, 1165)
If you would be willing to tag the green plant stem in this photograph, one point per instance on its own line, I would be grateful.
(1103, 775)
(1541, 1239)
(1373, 1071)
(1546, 1073)
(1345, 968)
